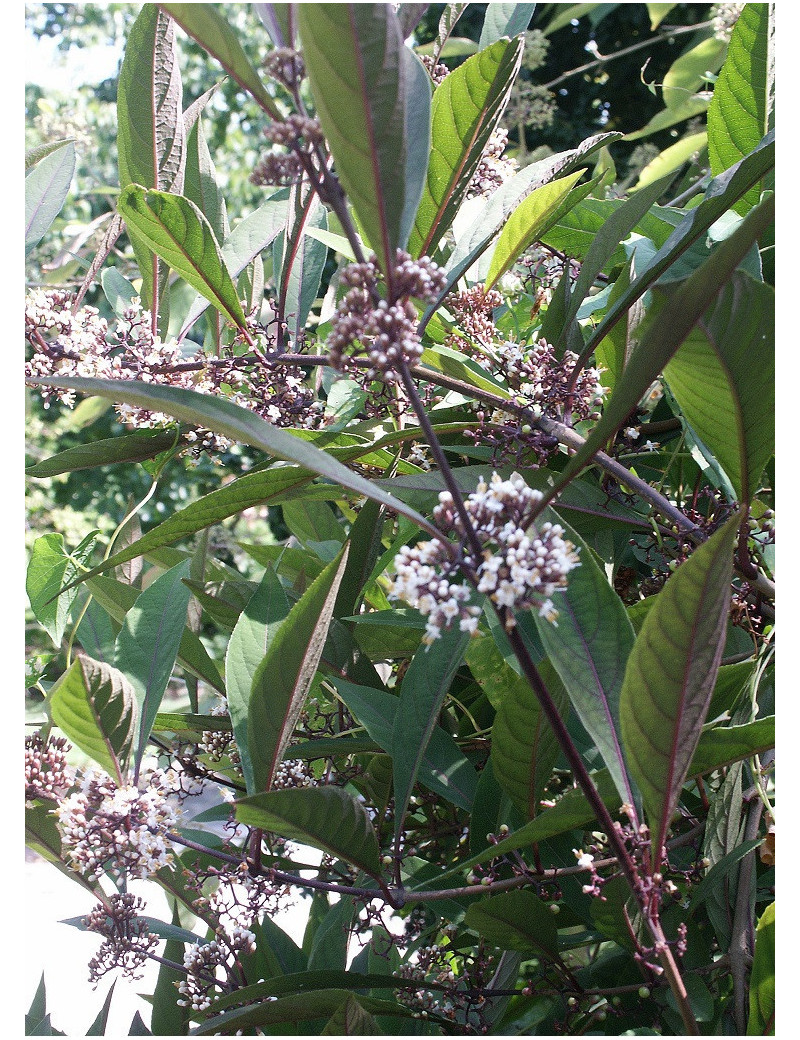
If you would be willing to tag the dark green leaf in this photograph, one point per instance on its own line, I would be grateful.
(329, 947)
(589, 647)
(762, 977)
(206, 24)
(325, 817)
(738, 116)
(175, 229)
(242, 425)
(95, 705)
(282, 680)
(131, 447)
(729, 358)
(46, 188)
(466, 108)
(670, 677)
(360, 89)
(515, 921)
(350, 1019)
(723, 745)
(168, 1019)
(148, 644)
(255, 631)
(422, 694)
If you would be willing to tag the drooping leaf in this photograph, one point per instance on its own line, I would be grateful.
(504, 20)
(255, 630)
(422, 694)
(515, 921)
(658, 13)
(131, 447)
(282, 680)
(148, 644)
(729, 358)
(176, 230)
(466, 108)
(589, 647)
(95, 705)
(329, 946)
(46, 188)
(51, 567)
(242, 425)
(444, 767)
(360, 89)
(738, 116)
(325, 817)
(527, 223)
(207, 25)
(692, 105)
(762, 977)
(524, 746)
(669, 679)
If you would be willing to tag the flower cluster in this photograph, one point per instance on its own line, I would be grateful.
(286, 65)
(472, 309)
(201, 961)
(121, 830)
(384, 329)
(724, 16)
(240, 897)
(542, 379)
(128, 943)
(47, 774)
(494, 169)
(436, 70)
(521, 567)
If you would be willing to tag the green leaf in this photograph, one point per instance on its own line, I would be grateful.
(282, 680)
(567, 13)
(505, 20)
(169, 1019)
(692, 105)
(589, 647)
(527, 223)
(255, 631)
(738, 116)
(34, 155)
(46, 189)
(300, 260)
(613, 352)
(177, 231)
(325, 817)
(670, 160)
(332, 937)
(670, 677)
(422, 694)
(239, 424)
(515, 921)
(359, 81)
(350, 1019)
(689, 72)
(447, 22)
(206, 24)
(466, 108)
(148, 644)
(117, 599)
(723, 745)
(524, 747)
(96, 707)
(50, 567)
(762, 977)
(444, 767)
(132, 447)
(661, 339)
(658, 13)
(729, 358)
(200, 177)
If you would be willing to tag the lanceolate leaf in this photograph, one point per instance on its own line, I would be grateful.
(360, 88)
(46, 188)
(132, 447)
(95, 705)
(177, 231)
(466, 108)
(447, 23)
(200, 181)
(148, 643)
(205, 24)
(670, 677)
(515, 921)
(738, 116)
(729, 358)
(242, 425)
(300, 260)
(589, 647)
(505, 20)
(283, 678)
(326, 817)
(527, 223)
(422, 694)
(255, 630)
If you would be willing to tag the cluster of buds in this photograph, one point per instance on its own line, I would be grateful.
(385, 330)
(201, 961)
(295, 140)
(436, 70)
(544, 381)
(494, 168)
(286, 65)
(47, 774)
(121, 830)
(521, 567)
(240, 897)
(219, 743)
(128, 943)
(293, 772)
(472, 309)
(724, 16)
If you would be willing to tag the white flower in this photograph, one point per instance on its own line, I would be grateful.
(631, 432)
(585, 860)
